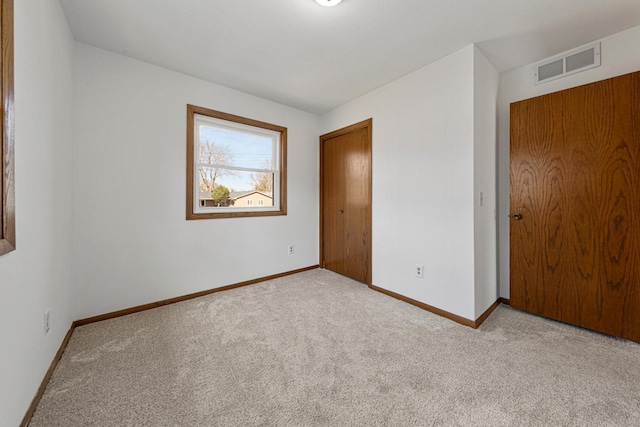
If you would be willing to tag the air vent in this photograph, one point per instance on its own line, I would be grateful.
(571, 62)
(551, 70)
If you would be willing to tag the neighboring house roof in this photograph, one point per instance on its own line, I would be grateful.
(235, 195)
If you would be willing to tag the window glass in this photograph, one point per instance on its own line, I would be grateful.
(237, 165)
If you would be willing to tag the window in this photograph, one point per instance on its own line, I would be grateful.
(7, 199)
(236, 167)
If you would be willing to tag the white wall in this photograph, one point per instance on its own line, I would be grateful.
(484, 150)
(432, 155)
(423, 171)
(132, 244)
(620, 54)
(36, 276)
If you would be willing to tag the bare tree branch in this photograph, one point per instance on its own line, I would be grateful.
(262, 181)
(213, 154)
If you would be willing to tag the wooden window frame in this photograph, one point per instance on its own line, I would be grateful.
(192, 111)
(7, 208)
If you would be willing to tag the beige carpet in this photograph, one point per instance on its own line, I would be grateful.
(317, 349)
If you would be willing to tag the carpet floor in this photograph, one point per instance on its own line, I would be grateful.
(318, 349)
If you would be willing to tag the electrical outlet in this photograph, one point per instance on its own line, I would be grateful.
(47, 321)
(291, 249)
(419, 271)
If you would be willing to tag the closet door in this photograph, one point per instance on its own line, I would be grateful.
(346, 201)
(575, 206)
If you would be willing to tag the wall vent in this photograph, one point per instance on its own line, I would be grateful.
(568, 63)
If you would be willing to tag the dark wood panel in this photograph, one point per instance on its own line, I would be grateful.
(537, 187)
(357, 235)
(598, 120)
(631, 310)
(345, 223)
(575, 168)
(7, 186)
(334, 205)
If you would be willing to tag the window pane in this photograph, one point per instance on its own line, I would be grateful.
(226, 147)
(236, 166)
(220, 187)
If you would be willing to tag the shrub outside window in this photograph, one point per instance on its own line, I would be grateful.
(236, 167)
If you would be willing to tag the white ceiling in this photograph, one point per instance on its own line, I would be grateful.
(298, 53)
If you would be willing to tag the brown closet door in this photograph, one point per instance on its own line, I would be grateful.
(346, 201)
(575, 205)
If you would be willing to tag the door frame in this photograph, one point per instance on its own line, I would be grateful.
(368, 125)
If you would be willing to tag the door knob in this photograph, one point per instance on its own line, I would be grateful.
(341, 211)
(517, 216)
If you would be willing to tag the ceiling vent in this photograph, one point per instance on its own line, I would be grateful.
(568, 63)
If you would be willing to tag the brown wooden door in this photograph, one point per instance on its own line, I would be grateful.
(345, 187)
(575, 181)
